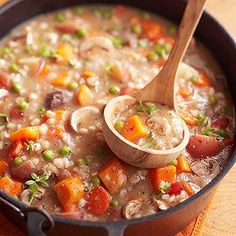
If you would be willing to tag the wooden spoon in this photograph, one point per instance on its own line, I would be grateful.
(161, 89)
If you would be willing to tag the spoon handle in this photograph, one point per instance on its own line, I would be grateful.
(162, 88)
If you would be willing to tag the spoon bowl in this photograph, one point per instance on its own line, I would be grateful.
(161, 89)
(129, 152)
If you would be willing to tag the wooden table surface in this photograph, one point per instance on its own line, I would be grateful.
(221, 220)
(222, 215)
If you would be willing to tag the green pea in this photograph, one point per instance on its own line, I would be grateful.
(73, 85)
(6, 51)
(16, 87)
(161, 50)
(48, 155)
(82, 32)
(118, 42)
(114, 90)
(87, 159)
(79, 162)
(151, 107)
(18, 161)
(60, 17)
(152, 56)
(137, 29)
(119, 124)
(114, 203)
(66, 37)
(142, 43)
(95, 180)
(65, 151)
(22, 105)
(222, 111)
(212, 100)
(13, 68)
(41, 111)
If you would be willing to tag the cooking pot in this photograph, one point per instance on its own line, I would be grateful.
(39, 222)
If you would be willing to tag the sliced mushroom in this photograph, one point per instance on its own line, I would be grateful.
(137, 208)
(96, 41)
(3, 93)
(86, 119)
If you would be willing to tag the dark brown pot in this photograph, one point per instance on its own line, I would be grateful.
(162, 223)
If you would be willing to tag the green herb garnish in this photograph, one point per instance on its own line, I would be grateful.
(29, 146)
(34, 185)
(164, 186)
(149, 141)
(202, 119)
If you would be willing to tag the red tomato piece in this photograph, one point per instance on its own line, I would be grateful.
(17, 149)
(5, 81)
(98, 201)
(175, 188)
(201, 146)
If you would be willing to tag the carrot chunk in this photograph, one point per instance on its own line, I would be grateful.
(65, 52)
(134, 128)
(183, 165)
(98, 201)
(203, 79)
(185, 91)
(10, 186)
(17, 149)
(62, 79)
(165, 173)
(60, 115)
(152, 30)
(69, 191)
(41, 69)
(88, 74)
(187, 117)
(3, 167)
(113, 175)
(85, 96)
(187, 188)
(30, 133)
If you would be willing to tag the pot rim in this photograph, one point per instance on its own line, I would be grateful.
(61, 219)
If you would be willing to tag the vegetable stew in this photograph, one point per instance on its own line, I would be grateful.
(57, 71)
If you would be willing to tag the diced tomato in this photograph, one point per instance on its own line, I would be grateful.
(69, 27)
(221, 123)
(203, 80)
(175, 188)
(126, 91)
(201, 146)
(98, 201)
(17, 149)
(185, 91)
(5, 81)
(152, 30)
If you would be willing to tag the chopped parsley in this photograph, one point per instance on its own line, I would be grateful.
(3, 119)
(164, 187)
(29, 146)
(202, 119)
(146, 107)
(34, 185)
(149, 141)
(219, 133)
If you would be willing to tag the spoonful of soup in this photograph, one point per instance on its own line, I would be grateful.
(144, 129)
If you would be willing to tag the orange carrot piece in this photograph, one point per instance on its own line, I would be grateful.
(10, 186)
(88, 74)
(30, 133)
(17, 149)
(184, 91)
(85, 96)
(69, 191)
(187, 188)
(98, 201)
(41, 69)
(183, 165)
(113, 175)
(116, 74)
(65, 51)
(187, 117)
(203, 79)
(55, 131)
(152, 30)
(134, 128)
(3, 167)
(60, 115)
(62, 79)
(165, 173)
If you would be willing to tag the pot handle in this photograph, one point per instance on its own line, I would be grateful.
(116, 230)
(36, 221)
